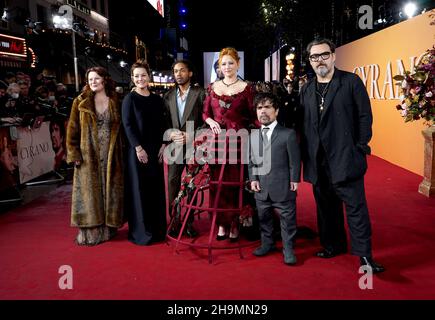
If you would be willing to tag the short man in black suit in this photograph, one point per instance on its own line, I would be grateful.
(274, 176)
(337, 128)
(183, 104)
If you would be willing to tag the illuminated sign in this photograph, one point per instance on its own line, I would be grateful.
(159, 6)
(12, 46)
(79, 7)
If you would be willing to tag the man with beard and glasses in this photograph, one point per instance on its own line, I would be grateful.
(337, 128)
(183, 104)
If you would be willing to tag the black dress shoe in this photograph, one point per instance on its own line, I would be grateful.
(191, 232)
(327, 253)
(368, 261)
(263, 250)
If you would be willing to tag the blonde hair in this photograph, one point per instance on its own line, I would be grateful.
(230, 52)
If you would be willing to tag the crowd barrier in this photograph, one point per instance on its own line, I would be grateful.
(27, 153)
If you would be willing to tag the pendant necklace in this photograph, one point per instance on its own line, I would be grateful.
(230, 84)
(322, 95)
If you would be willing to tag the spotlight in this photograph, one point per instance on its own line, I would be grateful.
(410, 9)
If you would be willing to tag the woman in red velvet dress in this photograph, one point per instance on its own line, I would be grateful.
(228, 105)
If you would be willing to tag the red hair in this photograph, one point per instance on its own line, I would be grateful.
(230, 52)
(109, 84)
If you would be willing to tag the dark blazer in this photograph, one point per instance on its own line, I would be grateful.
(192, 110)
(285, 165)
(344, 127)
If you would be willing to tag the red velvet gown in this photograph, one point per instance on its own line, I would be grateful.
(231, 112)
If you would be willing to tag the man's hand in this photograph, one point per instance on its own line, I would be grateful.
(255, 186)
(179, 137)
(293, 186)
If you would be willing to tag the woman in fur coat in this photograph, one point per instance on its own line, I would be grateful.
(94, 146)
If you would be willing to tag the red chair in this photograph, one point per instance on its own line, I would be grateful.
(194, 203)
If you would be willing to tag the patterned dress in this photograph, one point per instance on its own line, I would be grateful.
(231, 112)
(93, 236)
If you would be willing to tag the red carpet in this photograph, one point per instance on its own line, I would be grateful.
(35, 240)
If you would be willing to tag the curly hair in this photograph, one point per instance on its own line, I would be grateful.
(229, 51)
(109, 84)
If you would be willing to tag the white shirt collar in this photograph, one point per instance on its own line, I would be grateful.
(270, 126)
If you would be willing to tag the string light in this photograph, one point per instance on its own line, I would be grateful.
(290, 66)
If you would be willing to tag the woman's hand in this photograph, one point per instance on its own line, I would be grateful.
(141, 154)
(214, 126)
(161, 151)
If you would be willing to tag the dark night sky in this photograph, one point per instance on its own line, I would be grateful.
(212, 25)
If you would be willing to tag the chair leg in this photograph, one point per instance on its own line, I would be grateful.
(185, 219)
(211, 235)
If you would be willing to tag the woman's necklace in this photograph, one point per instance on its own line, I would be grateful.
(322, 95)
(230, 84)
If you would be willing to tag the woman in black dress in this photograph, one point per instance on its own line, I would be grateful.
(143, 120)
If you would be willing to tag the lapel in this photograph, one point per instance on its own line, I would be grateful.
(191, 98)
(332, 91)
(87, 105)
(256, 144)
(172, 101)
(275, 133)
(312, 102)
(115, 124)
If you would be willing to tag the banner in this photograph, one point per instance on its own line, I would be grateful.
(8, 160)
(376, 59)
(276, 56)
(35, 152)
(159, 6)
(267, 69)
(211, 67)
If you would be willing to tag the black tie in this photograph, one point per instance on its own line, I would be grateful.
(265, 138)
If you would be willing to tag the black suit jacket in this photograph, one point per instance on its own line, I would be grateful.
(285, 164)
(344, 128)
(192, 110)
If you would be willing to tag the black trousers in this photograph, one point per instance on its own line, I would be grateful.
(330, 218)
(287, 214)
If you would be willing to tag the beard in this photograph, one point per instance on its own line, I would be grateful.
(181, 81)
(322, 70)
(265, 120)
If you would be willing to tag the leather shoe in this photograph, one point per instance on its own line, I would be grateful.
(289, 257)
(327, 253)
(191, 232)
(368, 261)
(263, 250)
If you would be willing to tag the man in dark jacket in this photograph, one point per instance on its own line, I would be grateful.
(183, 104)
(336, 132)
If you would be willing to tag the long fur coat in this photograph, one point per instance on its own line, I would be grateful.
(88, 209)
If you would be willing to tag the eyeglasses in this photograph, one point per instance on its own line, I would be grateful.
(323, 55)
